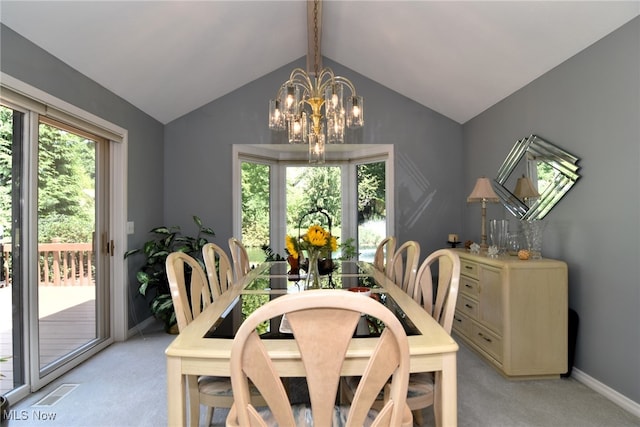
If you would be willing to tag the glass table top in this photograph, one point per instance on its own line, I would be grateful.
(275, 282)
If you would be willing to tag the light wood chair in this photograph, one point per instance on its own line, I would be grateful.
(384, 254)
(422, 385)
(404, 265)
(323, 323)
(240, 258)
(213, 392)
(219, 269)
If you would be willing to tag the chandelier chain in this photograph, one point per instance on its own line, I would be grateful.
(312, 108)
(316, 49)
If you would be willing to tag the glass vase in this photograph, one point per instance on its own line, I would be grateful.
(313, 274)
(498, 234)
(533, 231)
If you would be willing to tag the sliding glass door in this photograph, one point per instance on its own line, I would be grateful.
(12, 328)
(71, 273)
(54, 222)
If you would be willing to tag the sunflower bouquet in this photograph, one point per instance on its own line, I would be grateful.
(318, 243)
(315, 240)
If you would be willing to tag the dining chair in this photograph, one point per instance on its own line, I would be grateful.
(323, 323)
(404, 266)
(240, 258)
(191, 295)
(219, 269)
(440, 303)
(422, 385)
(384, 254)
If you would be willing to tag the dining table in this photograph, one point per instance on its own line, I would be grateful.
(204, 346)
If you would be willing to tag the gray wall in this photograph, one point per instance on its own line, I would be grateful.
(427, 149)
(590, 106)
(27, 62)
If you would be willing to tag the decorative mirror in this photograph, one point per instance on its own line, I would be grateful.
(550, 170)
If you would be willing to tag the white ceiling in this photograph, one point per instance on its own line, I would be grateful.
(458, 58)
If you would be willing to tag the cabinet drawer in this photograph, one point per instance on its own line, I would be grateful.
(462, 324)
(469, 286)
(488, 341)
(467, 306)
(468, 268)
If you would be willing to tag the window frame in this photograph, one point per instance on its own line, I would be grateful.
(279, 156)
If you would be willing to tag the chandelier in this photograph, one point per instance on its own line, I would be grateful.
(311, 107)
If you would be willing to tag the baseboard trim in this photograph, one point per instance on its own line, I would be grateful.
(606, 391)
(140, 326)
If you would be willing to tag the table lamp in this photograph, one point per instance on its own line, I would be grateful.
(525, 190)
(483, 192)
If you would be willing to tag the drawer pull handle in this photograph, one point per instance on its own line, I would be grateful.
(468, 305)
(468, 267)
(457, 319)
(484, 338)
(468, 285)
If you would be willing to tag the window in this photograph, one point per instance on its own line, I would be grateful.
(274, 186)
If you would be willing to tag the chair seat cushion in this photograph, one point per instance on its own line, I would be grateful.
(219, 386)
(303, 417)
(420, 384)
(215, 386)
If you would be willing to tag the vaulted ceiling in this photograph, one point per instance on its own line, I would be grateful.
(456, 57)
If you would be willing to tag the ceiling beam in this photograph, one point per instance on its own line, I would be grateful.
(312, 24)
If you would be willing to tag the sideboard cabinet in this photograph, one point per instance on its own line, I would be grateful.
(514, 313)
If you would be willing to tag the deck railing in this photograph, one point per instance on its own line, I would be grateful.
(59, 264)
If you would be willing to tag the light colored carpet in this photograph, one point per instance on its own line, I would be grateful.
(125, 385)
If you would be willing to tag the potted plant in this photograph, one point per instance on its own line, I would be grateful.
(152, 276)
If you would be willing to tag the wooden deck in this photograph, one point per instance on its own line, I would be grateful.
(67, 321)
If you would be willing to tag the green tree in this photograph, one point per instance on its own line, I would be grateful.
(66, 172)
(371, 190)
(255, 204)
(309, 187)
(6, 136)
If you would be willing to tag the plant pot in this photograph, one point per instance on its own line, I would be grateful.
(4, 411)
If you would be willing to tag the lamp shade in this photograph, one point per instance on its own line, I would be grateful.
(483, 191)
(525, 189)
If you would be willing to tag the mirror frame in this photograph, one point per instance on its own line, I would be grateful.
(537, 148)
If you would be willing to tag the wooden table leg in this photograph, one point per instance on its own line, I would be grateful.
(176, 399)
(446, 393)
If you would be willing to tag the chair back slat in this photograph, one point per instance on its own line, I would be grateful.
(405, 265)
(384, 254)
(446, 292)
(219, 269)
(240, 258)
(188, 304)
